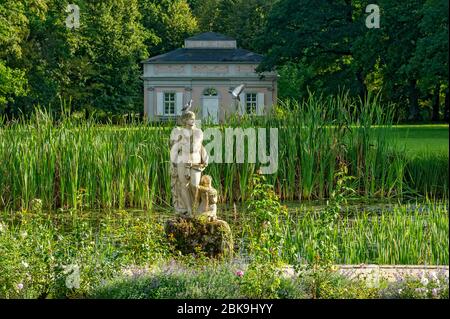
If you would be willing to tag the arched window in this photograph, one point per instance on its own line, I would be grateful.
(210, 92)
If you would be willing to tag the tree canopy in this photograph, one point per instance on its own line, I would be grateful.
(320, 45)
(326, 46)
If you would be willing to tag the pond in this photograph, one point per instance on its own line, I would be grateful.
(379, 232)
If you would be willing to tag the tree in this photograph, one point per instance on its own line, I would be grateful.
(169, 23)
(12, 84)
(431, 55)
(195, 4)
(13, 32)
(45, 55)
(206, 14)
(320, 34)
(315, 45)
(243, 20)
(96, 66)
(406, 58)
(400, 35)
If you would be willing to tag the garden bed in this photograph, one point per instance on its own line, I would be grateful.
(391, 273)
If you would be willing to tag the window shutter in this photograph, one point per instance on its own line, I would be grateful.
(260, 104)
(178, 103)
(159, 103)
(242, 104)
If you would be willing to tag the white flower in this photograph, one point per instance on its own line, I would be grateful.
(24, 264)
(424, 281)
(73, 276)
(20, 286)
(433, 276)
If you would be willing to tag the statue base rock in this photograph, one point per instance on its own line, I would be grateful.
(200, 234)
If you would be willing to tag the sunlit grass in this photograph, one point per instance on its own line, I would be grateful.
(408, 234)
(419, 139)
(72, 163)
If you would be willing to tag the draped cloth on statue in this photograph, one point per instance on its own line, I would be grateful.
(188, 160)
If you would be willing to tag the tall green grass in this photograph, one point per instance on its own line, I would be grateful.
(427, 173)
(83, 165)
(73, 163)
(409, 234)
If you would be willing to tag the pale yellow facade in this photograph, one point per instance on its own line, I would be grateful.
(168, 86)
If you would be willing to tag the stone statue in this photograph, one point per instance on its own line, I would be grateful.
(193, 195)
(206, 195)
(189, 158)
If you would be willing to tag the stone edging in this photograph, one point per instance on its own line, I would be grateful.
(391, 273)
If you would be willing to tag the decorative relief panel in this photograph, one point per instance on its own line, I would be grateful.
(246, 68)
(210, 68)
(169, 69)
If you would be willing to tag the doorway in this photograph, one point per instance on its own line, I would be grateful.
(210, 107)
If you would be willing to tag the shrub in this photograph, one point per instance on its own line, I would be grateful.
(60, 256)
(427, 286)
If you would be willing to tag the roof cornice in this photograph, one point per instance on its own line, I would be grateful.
(199, 62)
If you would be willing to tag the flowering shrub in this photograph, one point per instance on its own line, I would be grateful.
(260, 281)
(177, 280)
(53, 256)
(432, 285)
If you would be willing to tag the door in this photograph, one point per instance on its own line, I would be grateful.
(211, 108)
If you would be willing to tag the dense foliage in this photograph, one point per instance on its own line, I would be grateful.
(325, 45)
(95, 66)
(317, 45)
(75, 163)
(126, 254)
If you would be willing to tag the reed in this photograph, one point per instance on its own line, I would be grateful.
(71, 163)
(427, 173)
(409, 235)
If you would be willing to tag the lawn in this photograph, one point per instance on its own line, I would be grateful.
(423, 138)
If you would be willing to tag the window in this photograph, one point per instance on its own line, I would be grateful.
(169, 103)
(250, 103)
(210, 92)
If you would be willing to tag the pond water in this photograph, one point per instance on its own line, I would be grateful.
(352, 207)
(381, 232)
(233, 214)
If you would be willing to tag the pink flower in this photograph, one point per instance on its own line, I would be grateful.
(239, 273)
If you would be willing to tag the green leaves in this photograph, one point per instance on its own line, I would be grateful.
(97, 65)
(263, 225)
(12, 84)
(168, 23)
(325, 46)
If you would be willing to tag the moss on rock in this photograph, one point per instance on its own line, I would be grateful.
(193, 234)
